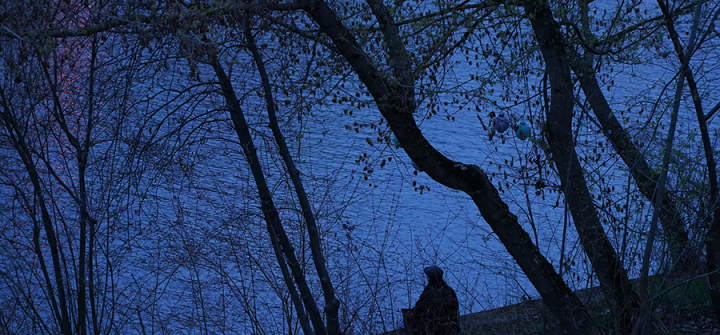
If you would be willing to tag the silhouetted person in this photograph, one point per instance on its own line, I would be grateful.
(437, 310)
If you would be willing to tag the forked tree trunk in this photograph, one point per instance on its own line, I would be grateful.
(607, 266)
(645, 177)
(270, 213)
(712, 239)
(332, 305)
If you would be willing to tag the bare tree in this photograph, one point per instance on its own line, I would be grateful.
(105, 175)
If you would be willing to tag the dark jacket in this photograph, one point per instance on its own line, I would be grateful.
(436, 312)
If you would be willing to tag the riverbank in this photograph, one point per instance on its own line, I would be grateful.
(685, 309)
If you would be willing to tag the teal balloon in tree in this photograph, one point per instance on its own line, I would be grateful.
(523, 131)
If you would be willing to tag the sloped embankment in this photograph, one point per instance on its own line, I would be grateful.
(684, 310)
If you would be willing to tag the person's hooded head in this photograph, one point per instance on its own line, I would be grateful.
(434, 274)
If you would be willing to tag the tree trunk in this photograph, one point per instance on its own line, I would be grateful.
(331, 303)
(271, 216)
(644, 176)
(57, 295)
(712, 239)
(607, 266)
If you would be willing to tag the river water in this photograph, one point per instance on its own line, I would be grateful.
(381, 228)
